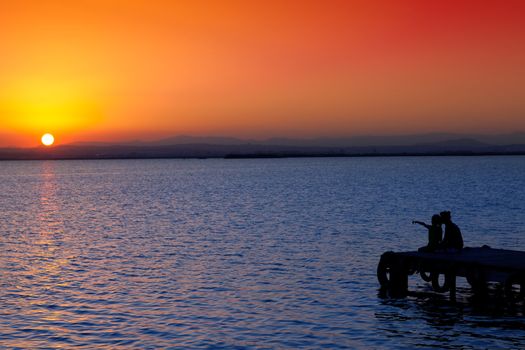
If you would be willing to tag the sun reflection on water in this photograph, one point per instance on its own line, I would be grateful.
(47, 244)
(49, 215)
(45, 275)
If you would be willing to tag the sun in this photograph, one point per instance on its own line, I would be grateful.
(48, 139)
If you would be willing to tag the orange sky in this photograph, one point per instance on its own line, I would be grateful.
(144, 69)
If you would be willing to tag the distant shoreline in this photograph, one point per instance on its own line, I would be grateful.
(377, 155)
(273, 156)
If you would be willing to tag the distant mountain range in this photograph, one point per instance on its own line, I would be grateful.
(226, 147)
(354, 141)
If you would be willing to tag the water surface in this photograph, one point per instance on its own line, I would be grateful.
(262, 254)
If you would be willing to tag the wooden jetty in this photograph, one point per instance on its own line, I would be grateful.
(478, 265)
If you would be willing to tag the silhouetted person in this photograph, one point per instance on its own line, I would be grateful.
(435, 233)
(453, 241)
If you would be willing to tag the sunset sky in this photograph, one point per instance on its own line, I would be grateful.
(111, 70)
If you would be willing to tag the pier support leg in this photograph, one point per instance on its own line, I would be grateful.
(392, 274)
(399, 287)
(452, 283)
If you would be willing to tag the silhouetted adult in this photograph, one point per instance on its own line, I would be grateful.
(435, 233)
(453, 241)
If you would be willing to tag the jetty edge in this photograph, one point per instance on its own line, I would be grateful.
(478, 265)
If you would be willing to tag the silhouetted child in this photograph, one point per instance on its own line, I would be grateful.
(453, 241)
(435, 233)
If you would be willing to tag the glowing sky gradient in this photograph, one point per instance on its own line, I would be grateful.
(128, 69)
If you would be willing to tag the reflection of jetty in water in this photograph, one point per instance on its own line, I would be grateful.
(480, 267)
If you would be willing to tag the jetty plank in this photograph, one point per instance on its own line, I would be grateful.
(487, 257)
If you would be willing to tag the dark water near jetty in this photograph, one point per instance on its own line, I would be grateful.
(148, 254)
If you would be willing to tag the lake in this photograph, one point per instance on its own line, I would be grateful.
(241, 254)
